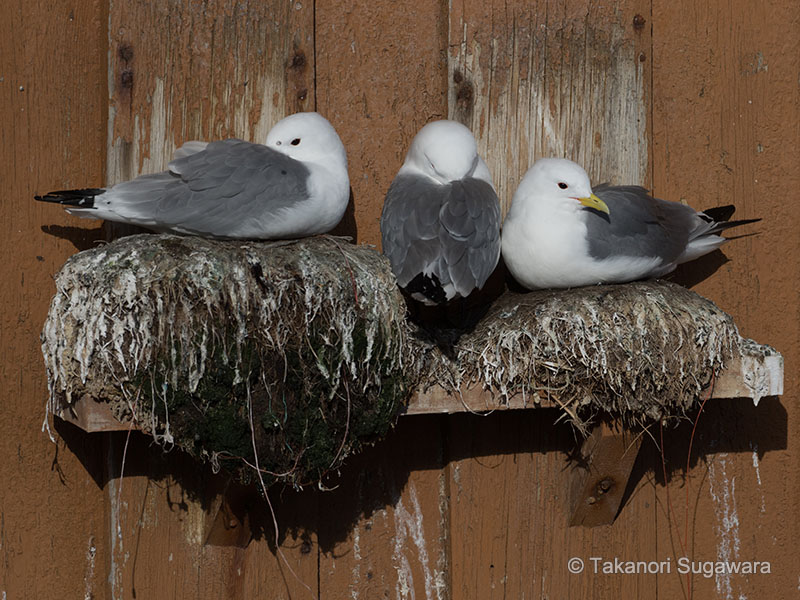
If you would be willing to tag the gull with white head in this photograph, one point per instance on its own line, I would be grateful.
(560, 233)
(296, 185)
(440, 225)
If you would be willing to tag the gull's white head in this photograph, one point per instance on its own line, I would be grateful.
(557, 182)
(308, 137)
(445, 151)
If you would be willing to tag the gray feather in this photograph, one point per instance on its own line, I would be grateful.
(230, 178)
(638, 225)
(452, 230)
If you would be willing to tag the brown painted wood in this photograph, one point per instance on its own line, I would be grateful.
(601, 475)
(182, 71)
(725, 122)
(720, 124)
(185, 70)
(161, 513)
(227, 518)
(532, 80)
(384, 530)
(52, 135)
(381, 75)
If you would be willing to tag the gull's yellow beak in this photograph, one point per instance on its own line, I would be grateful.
(595, 203)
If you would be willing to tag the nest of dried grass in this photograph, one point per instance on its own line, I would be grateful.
(640, 351)
(287, 356)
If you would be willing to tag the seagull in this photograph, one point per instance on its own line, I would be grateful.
(560, 234)
(440, 225)
(296, 185)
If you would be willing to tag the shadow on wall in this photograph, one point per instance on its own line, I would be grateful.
(374, 479)
(348, 226)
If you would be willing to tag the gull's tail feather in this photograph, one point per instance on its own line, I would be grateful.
(719, 218)
(705, 238)
(78, 198)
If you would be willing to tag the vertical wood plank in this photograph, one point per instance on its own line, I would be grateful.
(384, 530)
(197, 70)
(158, 515)
(565, 78)
(532, 80)
(381, 75)
(510, 512)
(726, 122)
(52, 135)
(180, 71)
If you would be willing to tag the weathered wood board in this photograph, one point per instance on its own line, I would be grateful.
(567, 79)
(53, 531)
(699, 101)
(192, 70)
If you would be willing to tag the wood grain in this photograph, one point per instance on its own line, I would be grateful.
(726, 121)
(192, 70)
(384, 531)
(159, 507)
(180, 71)
(698, 99)
(552, 78)
(381, 75)
(52, 128)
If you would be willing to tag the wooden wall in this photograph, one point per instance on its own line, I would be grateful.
(698, 100)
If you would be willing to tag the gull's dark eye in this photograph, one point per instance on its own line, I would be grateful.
(295, 141)
(562, 185)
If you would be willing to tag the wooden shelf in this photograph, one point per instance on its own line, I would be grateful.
(753, 376)
(598, 480)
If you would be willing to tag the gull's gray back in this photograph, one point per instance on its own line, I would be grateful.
(228, 183)
(638, 225)
(453, 230)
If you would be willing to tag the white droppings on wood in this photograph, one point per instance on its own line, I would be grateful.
(409, 528)
(756, 466)
(88, 578)
(355, 582)
(115, 569)
(762, 375)
(723, 492)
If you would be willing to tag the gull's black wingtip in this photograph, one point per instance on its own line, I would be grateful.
(719, 217)
(83, 198)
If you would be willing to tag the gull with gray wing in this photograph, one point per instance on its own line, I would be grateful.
(440, 225)
(296, 185)
(559, 233)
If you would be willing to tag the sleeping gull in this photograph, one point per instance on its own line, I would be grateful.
(559, 234)
(440, 225)
(294, 186)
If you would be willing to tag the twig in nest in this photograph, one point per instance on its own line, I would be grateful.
(346, 427)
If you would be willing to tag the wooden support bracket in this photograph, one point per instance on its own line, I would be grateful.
(227, 519)
(601, 476)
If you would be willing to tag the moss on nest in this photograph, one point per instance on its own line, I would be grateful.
(296, 348)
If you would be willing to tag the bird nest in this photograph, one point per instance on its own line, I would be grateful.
(641, 351)
(288, 356)
(283, 356)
